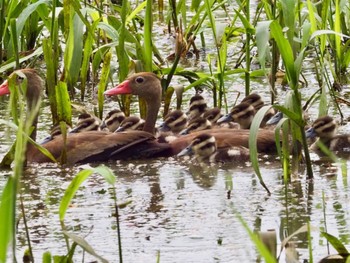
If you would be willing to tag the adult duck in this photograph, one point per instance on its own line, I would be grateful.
(98, 145)
(102, 146)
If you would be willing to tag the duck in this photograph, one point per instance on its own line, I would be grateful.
(97, 146)
(86, 122)
(197, 124)
(131, 123)
(212, 115)
(256, 101)
(175, 121)
(325, 129)
(204, 149)
(243, 114)
(197, 107)
(113, 120)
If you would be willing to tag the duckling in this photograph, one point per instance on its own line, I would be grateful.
(242, 114)
(212, 115)
(131, 123)
(113, 120)
(256, 101)
(174, 122)
(204, 148)
(197, 107)
(197, 124)
(325, 128)
(86, 122)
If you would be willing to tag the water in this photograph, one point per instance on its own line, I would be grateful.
(185, 212)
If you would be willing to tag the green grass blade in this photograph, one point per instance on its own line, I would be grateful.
(148, 49)
(24, 15)
(85, 246)
(7, 216)
(262, 40)
(107, 174)
(73, 52)
(71, 190)
(286, 52)
(103, 82)
(263, 251)
(77, 181)
(336, 243)
(64, 108)
(86, 58)
(254, 129)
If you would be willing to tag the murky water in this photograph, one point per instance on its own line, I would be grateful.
(186, 212)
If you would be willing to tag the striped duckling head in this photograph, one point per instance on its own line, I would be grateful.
(197, 124)
(242, 114)
(113, 120)
(174, 121)
(204, 148)
(131, 123)
(197, 107)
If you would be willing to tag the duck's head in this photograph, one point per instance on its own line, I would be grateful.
(324, 127)
(203, 145)
(197, 124)
(174, 121)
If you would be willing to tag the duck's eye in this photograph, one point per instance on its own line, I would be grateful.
(20, 79)
(139, 79)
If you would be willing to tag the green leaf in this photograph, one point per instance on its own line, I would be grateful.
(107, 174)
(147, 37)
(71, 190)
(23, 17)
(262, 40)
(254, 130)
(286, 53)
(64, 108)
(74, 51)
(84, 245)
(7, 216)
(103, 81)
(336, 243)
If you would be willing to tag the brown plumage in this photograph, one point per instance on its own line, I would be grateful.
(102, 146)
(204, 149)
(99, 145)
(325, 129)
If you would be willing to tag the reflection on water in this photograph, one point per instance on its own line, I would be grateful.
(184, 211)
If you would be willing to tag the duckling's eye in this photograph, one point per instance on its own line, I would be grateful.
(139, 80)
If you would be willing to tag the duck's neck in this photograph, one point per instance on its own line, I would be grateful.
(153, 106)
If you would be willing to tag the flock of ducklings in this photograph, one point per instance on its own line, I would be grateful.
(200, 117)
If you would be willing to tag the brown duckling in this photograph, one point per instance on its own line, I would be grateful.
(175, 121)
(204, 149)
(197, 124)
(243, 114)
(256, 101)
(86, 122)
(325, 128)
(131, 123)
(113, 120)
(212, 115)
(197, 107)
